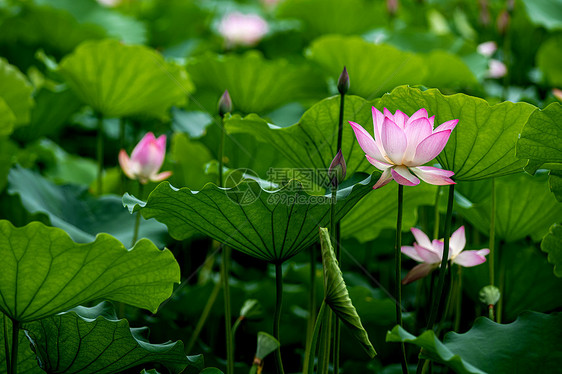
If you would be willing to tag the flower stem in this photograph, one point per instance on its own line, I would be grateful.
(277, 315)
(443, 269)
(436, 214)
(204, 316)
(311, 299)
(122, 177)
(6, 344)
(221, 153)
(398, 272)
(15, 346)
(458, 304)
(308, 367)
(340, 123)
(492, 233)
(137, 218)
(99, 151)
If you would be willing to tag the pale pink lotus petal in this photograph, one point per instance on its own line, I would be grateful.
(421, 237)
(388, 114)
(496, 69)
(400, 119)
(471, 258)
(458, 241)
(161, 143)
(449, 125)
(418, 272)
(438, 246)
(393, 141)
(421, 113)
(243, 29)
(160, 177)
(435, 176)
(430, 147)
(125, 164)
(427, 255)
(416, 132)
(142, 145)
(487, 48)
(382, 166)
(378, 119)
(402, 176)
(411, 252)
(366, 142)
(385, 178)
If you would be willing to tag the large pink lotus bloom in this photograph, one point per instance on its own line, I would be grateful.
(430, 253)
(146, 160)
(243, 29)
(402, 144)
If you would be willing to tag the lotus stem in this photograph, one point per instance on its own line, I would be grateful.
(122, 178)
(311, 299)
(398, 273)
(203, 318)
(99, 151)
(6, 344)
(443, 269)
(277, 315)
(308, 367)
(137, 218)
(492, 233)
(436, 214)
(15, 346)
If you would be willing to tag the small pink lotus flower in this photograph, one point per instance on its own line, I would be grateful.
(487, 49)
(243, 29)
(402, 144)
(496, 69)
(430, 253)
(146, 160)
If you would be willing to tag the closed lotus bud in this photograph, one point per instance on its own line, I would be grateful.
(392, 7)
(557, 93)
(343, 82)
(503, 22)
(489, 295)
(337, 169)
(225, 104)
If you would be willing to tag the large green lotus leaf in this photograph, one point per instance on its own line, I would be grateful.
(75, 210)
(482, 145)
(549, 53)
(90, 12)
(269, 225)
(523, 206)
(51, 111)
(311, 143)
(373, 69)
(433, 349)
(527, 345)
(43, 272)
(15, 91)
(377, 211)
(334, 16)
(447, 70)
(552, 244)
(7, 119)
(92, 340)
(124, 80)
(337, 296)
(525, 268)
(27, 362)
(541, 143)
(547, 13)
(256, 85)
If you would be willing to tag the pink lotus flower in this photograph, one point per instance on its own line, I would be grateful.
(496, 69)
(243, 29)
(430, 254)
(487, 49)
(146, 160)
(402, 144)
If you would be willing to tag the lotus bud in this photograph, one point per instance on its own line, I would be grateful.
(343, 82)
(225, 104)
(337, 169)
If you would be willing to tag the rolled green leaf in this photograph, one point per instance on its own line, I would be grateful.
(552, 244)
(337, 296)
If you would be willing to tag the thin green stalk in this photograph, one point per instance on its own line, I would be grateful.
(458, 304)
(137, 218)
(225, 267)
(325, 343)
(443, 269)
(436, 214)
(398, 272)
(6, 344)
(492, 233)
(308, 367)
(99, 151)
(221, 153)
(122, 176)
(204, 315)
(340, 123)
(277, 315)
(311, 298)
(15, 346)
(501, 286)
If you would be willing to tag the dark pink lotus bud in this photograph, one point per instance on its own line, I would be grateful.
(225, 104)
(343, 82)
(337, 169)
